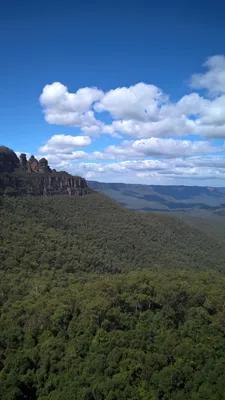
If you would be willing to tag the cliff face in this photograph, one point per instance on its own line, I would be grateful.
(60, 184)
(19, 177)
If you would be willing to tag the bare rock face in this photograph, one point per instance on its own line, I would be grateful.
(20, 177)
(8, 160)
(60, 184)
(23, 164)
(44, 167)
(33, 165)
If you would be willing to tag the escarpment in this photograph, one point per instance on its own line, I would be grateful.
(19, 176)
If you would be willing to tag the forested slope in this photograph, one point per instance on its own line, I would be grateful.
(95, 234)
(103, 303)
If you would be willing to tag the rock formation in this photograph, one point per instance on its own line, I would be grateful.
(33, 165)
(19, 176)
(23, 162)
(43, 166)
(8, 160)
(60, 184)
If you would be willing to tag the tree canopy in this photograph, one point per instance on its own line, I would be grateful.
(102, 303)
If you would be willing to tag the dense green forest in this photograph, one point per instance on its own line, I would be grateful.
(100, 302)
(94, 234)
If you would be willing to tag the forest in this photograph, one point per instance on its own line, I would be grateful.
(99, 302)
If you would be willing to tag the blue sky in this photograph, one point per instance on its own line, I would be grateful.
(144, 115)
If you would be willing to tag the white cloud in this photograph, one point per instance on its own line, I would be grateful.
(74, 156)
(57, 96)
(64, 144)
(170, 148)
(142, 110)
(192, 114)
(214, 79)
(139, 102)
(109, 130)
(156, 147)
(92, 130)
(144, 113)
(164, 127)
(157, 171)
(69, 109)
(63, 161)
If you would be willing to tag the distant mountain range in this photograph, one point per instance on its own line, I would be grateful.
(163, 198)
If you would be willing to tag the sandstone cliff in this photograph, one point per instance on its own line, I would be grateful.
(19, 176)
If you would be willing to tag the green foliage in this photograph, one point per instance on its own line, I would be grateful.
(101, 303)
(141, 335)
(93, 234)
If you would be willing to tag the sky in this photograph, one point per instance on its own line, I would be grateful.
(116, 91)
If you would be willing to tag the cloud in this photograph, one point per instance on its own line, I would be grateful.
(164, 127)
(156, 147)
(139, 102)
(74, 156)
(64, 144)
(157, 171)
(92, 130)
(192, 114)
(109, 130)
(154, 135)
(142, 110)
(69, 109)
(214, 79)
(170, 148)
(57, 96)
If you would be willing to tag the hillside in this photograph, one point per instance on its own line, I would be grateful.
(99, 302)
(211, 222)
(93, 233)
(162, 198)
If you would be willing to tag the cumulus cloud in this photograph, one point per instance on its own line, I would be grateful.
(69, 109)
(64, 144)
(142, 110)
(164, 127)
(214, 79)
(156, 171)
(92, 130)
(139, 102)
(57, 96)
(146, 124)
(156, 147)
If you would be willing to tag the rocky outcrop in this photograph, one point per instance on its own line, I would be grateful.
(19, 176)
(33, 165)
(60, 184)
(8, 160)
(23, 162)
(44, 167)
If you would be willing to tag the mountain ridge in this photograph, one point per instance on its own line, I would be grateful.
(162, 197)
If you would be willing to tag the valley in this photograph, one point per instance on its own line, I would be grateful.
(100, 302)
